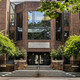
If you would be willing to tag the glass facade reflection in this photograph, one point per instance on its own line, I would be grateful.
(38, 26)
(59, 27)
(19, 28)
(66, 35)
(66, 18)
(12, 14)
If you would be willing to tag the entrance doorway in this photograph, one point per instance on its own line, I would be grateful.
(39, 58)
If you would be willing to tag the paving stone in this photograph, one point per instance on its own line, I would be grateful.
(39, 73)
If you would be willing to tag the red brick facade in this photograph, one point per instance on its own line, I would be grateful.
(74, 25)
(25, 7)
(73, 28)
(4, 15)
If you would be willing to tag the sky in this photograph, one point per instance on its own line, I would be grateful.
(23, 0)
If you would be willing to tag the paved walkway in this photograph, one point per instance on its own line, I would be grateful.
(77, 74)
(37, 78)
(38, 73)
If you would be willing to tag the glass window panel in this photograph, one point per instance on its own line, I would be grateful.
(11, 19)
(12, 14)
(79, 14)
(59, 27)
(66, 18)
(38, 26)
(19, 29)
(11, 36)
(12, 8)
(66, 35)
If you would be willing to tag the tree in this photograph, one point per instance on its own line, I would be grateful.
(53, 53)
(72, 46)
(6, 45)
(20, 53)
(51, 8)
(57, 54)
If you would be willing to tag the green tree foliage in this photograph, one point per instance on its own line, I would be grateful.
(6, 45)
(51, 8)
(72, 46)
(53, 53)
(20, 53)
(57, 54)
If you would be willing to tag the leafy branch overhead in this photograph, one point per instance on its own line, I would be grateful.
(51, 8)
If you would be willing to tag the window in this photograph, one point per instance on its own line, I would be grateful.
(38, 26)
(12, 14)
(11, 35)
(79, 14)
(12, 20)
(66, 18)
(59, 27)
(66, 35)
(19, 24)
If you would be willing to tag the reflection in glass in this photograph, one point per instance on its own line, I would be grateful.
(66, 35)
(19, 28)
(38, 26)
(59, 27)
(66, 18)
(12, 14)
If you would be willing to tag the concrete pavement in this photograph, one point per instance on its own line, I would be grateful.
(37, 78)
(38, 73)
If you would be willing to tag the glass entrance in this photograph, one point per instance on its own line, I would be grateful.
(39, 58)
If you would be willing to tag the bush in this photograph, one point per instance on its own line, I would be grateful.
(6, 45)
(72, 46)
(57, 54)
(20, 53)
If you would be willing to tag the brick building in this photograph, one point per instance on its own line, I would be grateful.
(34, 31)
(4, 15)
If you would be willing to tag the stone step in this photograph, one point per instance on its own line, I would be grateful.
(38, 67)
(39, 73)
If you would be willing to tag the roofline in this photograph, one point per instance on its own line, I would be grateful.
(16, 2)
(23, 1)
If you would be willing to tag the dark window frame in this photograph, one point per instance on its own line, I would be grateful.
(12, 13)
(79, 15)
(12, 33)
(65, 38)
(67, 18)
(12, 21)
(18, 34)
(59, 26)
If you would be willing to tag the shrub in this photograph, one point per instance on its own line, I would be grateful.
(57, 54)
(72, 46)
(6, 45)
(20, 53)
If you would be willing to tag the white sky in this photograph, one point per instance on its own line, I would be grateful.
(22, 0)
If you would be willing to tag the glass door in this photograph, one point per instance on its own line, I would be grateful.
(39, 58)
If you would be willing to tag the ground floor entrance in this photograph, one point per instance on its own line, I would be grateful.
(39, 58)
